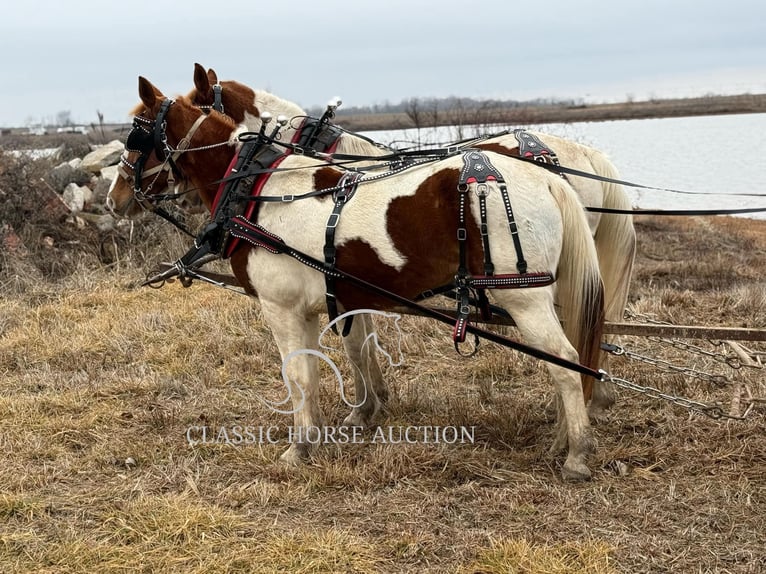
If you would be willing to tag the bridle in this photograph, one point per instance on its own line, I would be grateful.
(145, 137)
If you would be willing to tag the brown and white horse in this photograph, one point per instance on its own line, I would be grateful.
(398, 233)
(614, 235)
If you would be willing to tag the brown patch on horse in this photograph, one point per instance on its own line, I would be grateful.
(499, 148)
(238, 261)
(423, 228)
(326, 178)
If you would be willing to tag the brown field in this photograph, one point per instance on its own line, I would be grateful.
(541, 114)
(102, 379)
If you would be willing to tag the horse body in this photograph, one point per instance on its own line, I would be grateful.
(399, 233)
(614, 234)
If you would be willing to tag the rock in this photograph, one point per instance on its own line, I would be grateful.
(53, 208)
(109, 173)
(100, 191)
(11, 242)
(66, 173)
(76, 197)
(104, 222)
(103, 156)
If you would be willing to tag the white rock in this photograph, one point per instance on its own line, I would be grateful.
(109, 172)
(103, 156)
(76, 196)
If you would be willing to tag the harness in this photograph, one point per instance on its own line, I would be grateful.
(234, 209)
(478, 171)
(476, 174)
(248, 173)
(347, 187)
(318, 134)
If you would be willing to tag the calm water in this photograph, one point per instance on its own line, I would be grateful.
(713, 154)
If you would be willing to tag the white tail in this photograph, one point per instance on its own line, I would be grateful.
(615, 240)
(579, 281)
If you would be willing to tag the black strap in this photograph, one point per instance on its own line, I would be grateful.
(347, 187)
(521, 263)
(675, 211)
(217, 101)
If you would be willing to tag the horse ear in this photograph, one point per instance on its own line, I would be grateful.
(148, 93)
(201, 81)
(212, 76)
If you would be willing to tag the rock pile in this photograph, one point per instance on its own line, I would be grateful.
(78, 187)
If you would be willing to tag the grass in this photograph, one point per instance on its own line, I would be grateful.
(101, 380)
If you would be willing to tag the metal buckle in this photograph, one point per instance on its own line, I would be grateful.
(332, 223)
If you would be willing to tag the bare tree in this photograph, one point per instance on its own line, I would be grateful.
(414, 110)
(64, 118)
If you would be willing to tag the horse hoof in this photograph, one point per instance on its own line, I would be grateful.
(296, 455)
(575, 472)
(357, 419)
(597, 414)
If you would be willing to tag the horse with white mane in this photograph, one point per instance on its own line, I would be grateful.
(614, 235)
(398, 231)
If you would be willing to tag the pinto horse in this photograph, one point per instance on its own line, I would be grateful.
(399, 232)
(614, 235)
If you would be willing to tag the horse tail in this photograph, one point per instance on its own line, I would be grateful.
(615, 240)
(580, 289)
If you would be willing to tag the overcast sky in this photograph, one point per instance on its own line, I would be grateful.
(82, 57)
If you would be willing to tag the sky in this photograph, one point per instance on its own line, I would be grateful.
(80, 58)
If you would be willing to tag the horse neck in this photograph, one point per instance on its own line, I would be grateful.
(267, 102)
(205, 167)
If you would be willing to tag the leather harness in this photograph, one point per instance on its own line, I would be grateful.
(234, 213)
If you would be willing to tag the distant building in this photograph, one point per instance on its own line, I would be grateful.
(72, 130)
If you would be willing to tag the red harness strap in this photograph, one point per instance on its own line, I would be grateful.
(251, 207)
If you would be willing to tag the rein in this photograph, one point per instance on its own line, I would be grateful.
(442, 152)
(186, 269)
(277, 245)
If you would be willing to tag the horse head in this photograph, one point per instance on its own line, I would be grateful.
(164, 131)
(241, 103)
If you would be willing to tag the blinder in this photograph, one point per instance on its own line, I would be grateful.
(147, 136)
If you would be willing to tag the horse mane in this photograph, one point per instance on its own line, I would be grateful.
(352, 144)
(265, 101)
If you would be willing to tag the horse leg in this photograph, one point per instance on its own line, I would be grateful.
(536, 319)
(370, 388)
(295, 334)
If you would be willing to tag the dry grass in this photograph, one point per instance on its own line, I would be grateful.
(101, 381)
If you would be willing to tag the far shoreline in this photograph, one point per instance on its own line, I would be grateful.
(562, 113)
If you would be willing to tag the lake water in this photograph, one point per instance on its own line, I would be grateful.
(724, 155)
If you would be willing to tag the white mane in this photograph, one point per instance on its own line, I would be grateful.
(267, 102)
